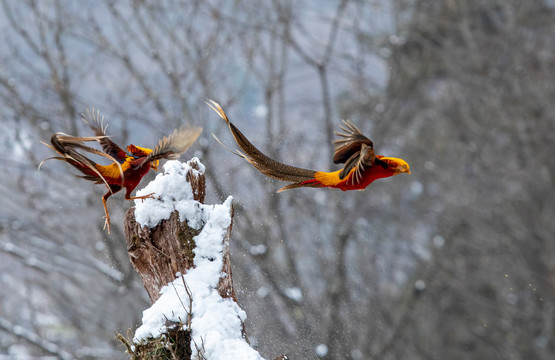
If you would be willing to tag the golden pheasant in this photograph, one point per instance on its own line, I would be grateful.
(127, 167)
(353, 149)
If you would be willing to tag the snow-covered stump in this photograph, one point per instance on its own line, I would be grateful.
(180, 248)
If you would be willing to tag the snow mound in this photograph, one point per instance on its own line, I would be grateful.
(172, 192)
(216, 322)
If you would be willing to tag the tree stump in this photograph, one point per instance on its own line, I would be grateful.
(158, 254)
(194, 259)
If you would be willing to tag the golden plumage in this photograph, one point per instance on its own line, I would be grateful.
(127, 168)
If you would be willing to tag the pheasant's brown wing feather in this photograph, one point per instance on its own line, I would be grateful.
(360, 160)
(96, 123)
(350, 143)
(261, 162)
(170, 147)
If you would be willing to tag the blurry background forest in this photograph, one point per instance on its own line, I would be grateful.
(455, 261)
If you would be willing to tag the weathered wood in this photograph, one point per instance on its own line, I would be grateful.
(225, 285)
(159, 253)
(198, 183)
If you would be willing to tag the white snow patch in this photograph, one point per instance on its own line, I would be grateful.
(216, 322)
(356, 354)
(416, 188)
(172, 192)
(259, 249)
(294, 293)
(321, 350)
(420, 285)
(261, 111)
(438, 241)
(262, 292)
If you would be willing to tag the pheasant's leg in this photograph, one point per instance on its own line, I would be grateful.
(107, 216)
(113, 189)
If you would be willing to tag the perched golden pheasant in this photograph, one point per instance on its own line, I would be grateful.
(353, 149)
(127, 167)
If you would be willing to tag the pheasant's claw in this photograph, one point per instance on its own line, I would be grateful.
(106, 223)
(143, 197)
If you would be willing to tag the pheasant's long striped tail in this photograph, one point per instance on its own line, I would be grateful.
(269, 167)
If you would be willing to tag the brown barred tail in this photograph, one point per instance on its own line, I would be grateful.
(66, 146)
(307, 183)
(261, 162)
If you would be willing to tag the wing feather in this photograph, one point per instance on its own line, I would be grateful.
(359, 161)
(96, 122)
(170, 147)
(350, 142)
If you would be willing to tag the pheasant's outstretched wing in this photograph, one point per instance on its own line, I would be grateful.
(350, 143)
(171, 146)
(359, 161)
(354, 149)
(96, 122)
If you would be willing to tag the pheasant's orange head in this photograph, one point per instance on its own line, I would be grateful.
(399, 166)
(141, 152)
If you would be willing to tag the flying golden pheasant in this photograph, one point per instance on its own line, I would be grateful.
(353, 149)
(127, 167)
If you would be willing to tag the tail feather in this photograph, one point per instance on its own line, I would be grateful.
(307, 183)
(65, 145)
(261, 162)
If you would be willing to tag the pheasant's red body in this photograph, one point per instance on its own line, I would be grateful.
(333, 180)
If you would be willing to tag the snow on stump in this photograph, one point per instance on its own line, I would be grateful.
(180, 248)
